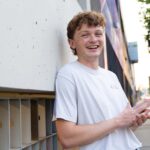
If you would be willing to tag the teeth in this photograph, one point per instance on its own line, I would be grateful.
(93, 47)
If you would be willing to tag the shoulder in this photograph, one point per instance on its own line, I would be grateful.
(67, 72)
(67, 69)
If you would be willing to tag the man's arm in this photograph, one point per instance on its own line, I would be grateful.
(72, 135)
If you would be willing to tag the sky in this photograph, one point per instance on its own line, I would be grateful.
(135, 32)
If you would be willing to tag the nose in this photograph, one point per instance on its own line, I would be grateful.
(93, 38)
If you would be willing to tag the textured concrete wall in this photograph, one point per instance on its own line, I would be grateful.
(33, 42)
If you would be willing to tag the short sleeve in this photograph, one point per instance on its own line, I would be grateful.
(65, 103)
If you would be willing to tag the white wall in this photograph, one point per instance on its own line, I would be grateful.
(33, 42)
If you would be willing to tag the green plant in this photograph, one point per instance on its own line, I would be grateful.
(146, 16)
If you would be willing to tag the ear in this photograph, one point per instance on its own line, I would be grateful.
(71, 43)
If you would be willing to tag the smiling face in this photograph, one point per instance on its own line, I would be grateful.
(88, 42)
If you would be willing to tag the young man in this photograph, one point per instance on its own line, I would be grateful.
(91, 109)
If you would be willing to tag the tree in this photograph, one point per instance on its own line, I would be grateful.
(146, 15)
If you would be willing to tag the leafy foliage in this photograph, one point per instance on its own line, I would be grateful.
(147, 19)
(144, 1)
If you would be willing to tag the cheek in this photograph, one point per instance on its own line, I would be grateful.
(80, 42)
(101, 41)
(84, 41)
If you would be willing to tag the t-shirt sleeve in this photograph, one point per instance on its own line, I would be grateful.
(65, 103)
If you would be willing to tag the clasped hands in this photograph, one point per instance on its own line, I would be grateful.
(133, 117)
(142, 112)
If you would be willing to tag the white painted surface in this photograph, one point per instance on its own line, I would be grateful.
(33, 42)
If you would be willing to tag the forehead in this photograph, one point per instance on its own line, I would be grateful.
(86, 27)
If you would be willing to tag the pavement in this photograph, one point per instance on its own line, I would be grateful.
(143, 134)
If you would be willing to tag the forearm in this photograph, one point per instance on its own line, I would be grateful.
(76, 135)
(72, 135)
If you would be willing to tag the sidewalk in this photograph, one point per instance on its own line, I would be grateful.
(143, 134)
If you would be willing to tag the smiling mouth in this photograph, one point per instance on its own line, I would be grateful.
(93, 47)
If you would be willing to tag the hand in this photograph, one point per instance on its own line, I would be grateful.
(127, 117)
(140, 119)
(142, 105)
(147, 113)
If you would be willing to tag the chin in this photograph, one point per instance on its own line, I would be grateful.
(95, 54)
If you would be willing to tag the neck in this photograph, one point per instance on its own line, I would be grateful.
(94, 64)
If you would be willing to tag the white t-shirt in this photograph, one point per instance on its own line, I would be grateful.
(88, 96)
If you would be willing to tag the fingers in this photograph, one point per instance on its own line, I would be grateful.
(142, 105)
(131, 118)
(147, 113)
(140, 119)
(147, 100)
(127, 117)
(137, 115)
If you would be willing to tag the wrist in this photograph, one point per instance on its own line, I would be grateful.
(117, 122)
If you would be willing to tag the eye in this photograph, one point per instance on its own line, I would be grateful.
(99, 34)
(84, 35)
